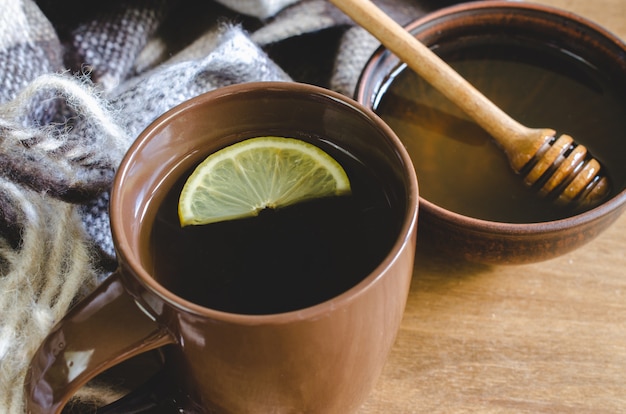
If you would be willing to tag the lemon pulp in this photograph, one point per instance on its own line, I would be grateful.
(265, 172)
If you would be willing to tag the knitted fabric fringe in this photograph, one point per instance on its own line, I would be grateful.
(41, 277)
(64, 159)
(45, 254)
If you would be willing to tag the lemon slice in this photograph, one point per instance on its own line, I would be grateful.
(265, 172)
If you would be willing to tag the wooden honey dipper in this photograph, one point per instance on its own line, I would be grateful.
(560, 168)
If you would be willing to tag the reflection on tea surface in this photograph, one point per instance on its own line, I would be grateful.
(459, 166)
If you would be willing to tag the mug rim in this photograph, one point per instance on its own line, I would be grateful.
(616, 202)
(127, 257)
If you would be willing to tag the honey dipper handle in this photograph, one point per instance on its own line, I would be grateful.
(511, 135)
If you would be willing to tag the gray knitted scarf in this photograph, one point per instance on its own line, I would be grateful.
(77, 84)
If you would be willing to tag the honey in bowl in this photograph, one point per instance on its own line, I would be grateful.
(459, 166)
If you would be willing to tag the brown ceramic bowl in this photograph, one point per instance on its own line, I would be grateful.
(584, 96)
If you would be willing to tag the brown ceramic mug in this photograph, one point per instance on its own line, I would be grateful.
(321, 358)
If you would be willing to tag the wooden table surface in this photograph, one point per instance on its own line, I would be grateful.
(548, 337)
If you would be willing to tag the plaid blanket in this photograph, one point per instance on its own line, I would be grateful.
(79, 81)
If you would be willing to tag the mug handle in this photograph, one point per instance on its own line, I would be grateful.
(101, 331)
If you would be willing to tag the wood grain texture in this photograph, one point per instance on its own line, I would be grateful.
(548, 337)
